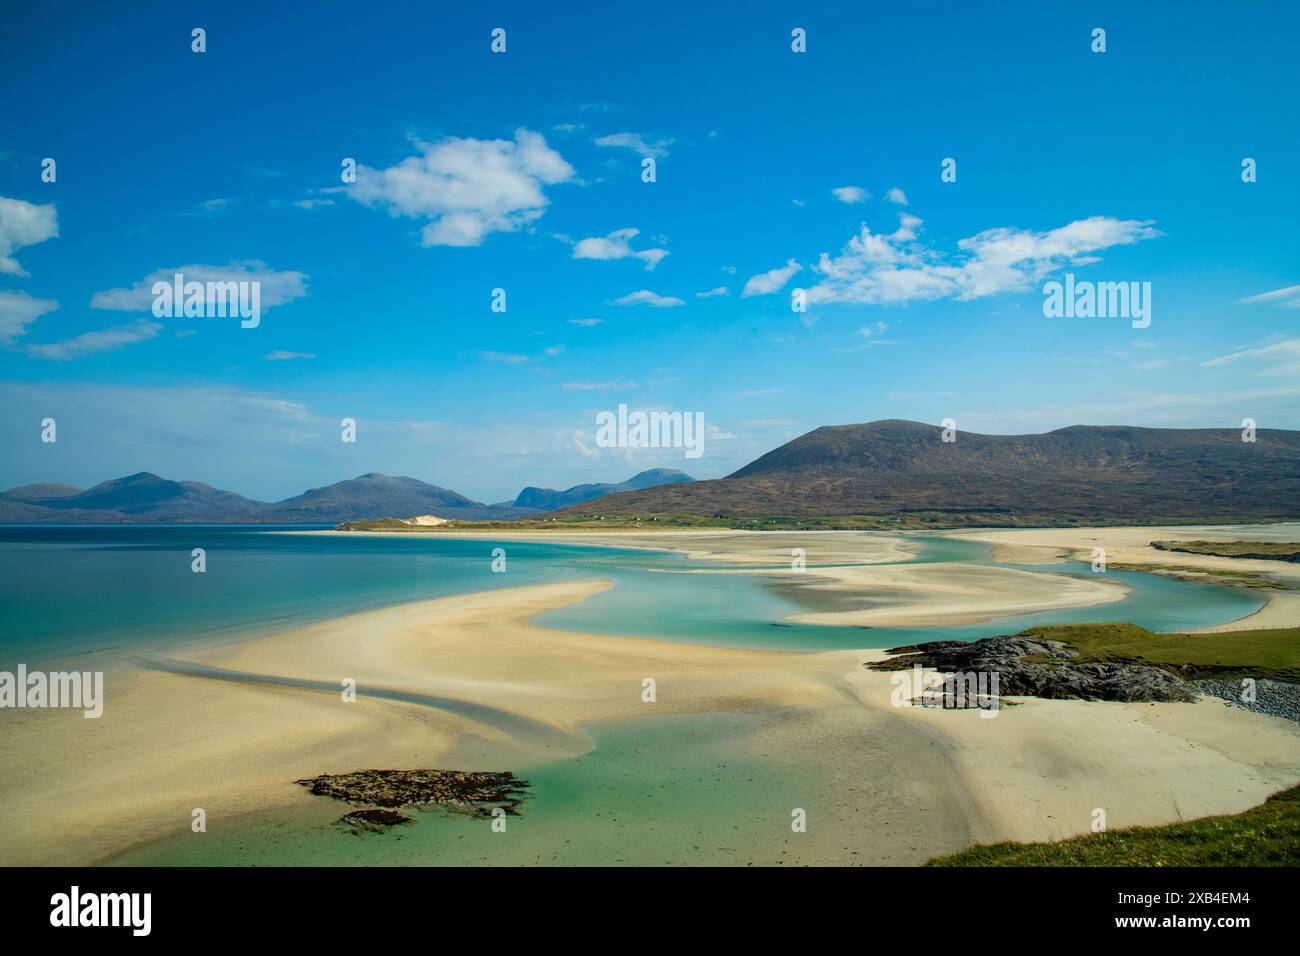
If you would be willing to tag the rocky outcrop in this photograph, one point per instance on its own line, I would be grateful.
(380, 793)
(1032, 667)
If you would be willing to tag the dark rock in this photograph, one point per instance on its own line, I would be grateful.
(463, 791)
(1052, 672)
(376, 819)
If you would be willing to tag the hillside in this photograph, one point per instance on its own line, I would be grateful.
(148, 497)
(374, 495)
(548, 499)
(142, 495)
(1083, 474)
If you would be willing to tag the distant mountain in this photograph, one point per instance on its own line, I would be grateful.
(34, 494)
(14, 511)
(378, 496)
(148, 497)
(1082, 473)
(547, 499)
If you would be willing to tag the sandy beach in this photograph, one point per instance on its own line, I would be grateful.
(469, 682)
(1132, 546)
(854, 567)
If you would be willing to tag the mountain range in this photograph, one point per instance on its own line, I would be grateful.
(546, 499)
(147, 497)
(1084, 473)
(1081, 474)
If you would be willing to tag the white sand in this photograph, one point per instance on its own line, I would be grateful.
(1133, 546)
(904, 783)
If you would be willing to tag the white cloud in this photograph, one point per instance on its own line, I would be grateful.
(1199, 409)
(850, 194)
(617, 245)
(586, 323)
(635, 142)
(286, 356)
(720, 290)
(897, 196)
(583, 448)
(101, 340)
(313, 203)
(23, 224)
(1288, 298)
(646, 297)
(19, 310)
(277, 288)
(510, 358)
(875, 269)
(771, 281)
(1277, 358)
(467, 188)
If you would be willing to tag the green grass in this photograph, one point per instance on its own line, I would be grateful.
(901, 521)
(378, 524)
(1266, 835)
(660, 521)
(1241, 579)
(1267, 550)
(1269, 652)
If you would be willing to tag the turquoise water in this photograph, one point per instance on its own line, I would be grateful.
(65, 591)
(746, 611)
(647, 793)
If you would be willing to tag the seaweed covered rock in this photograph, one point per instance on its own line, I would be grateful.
(1033, 667)
(380, 793)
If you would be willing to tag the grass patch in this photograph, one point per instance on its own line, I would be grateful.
(1266, 835)
(1263, 550)
(1241, 579)
(663, 521)
(378, 524)
(1267, 652)
(903, 520)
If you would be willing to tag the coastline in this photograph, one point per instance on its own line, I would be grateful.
(1130, 546)
(909, 782)
(996, 592)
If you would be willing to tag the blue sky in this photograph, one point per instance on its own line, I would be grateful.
(483, 171)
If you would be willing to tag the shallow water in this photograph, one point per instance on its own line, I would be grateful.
(647, 794)
(666, 790)
(72, 590)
